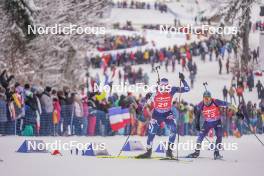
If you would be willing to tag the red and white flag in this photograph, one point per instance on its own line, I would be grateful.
(118, 118)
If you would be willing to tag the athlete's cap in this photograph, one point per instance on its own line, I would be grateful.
(207, 94)
(164, 81)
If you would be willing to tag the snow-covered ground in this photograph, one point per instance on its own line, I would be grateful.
(247, 160)
(139, 16)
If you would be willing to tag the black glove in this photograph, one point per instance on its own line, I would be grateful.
(197, 126)
(240, 115)
(181, 76)
(148, 95)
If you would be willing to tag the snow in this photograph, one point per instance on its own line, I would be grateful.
(140, 16)
(247, 160)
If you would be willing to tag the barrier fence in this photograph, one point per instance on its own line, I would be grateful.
(98, 122)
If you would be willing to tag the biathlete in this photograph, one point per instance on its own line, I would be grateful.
(209, 108)
(162, 102)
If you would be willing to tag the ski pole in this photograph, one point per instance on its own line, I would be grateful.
(156, 68)
(253, 133)
(124, 143)
(207, 139)
(178, 135)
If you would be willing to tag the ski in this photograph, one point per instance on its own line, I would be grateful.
(211, 158)
(152, 158)
(182, 160)
(126, 157)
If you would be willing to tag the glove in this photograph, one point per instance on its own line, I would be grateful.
(240, 115)
(148, 95)
(197, 126)
(181, 76)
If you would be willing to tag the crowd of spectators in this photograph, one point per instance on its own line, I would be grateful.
(162, 7)
(31, 110)
(120, 42)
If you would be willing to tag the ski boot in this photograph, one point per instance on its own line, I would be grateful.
(145, 155)
(217, 155)
(169, 153)
(194, 154)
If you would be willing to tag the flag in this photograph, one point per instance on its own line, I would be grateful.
(118, 118)
(125, 116)
(115, 118)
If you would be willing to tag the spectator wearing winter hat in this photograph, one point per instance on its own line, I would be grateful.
(47, 110)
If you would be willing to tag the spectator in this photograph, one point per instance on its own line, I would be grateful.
(78, 115)
(32, 111)
(250, 81)
(255, 56)
(227, 66)
(225, 92)
(220, 66)
(262, 94)
(56, 116)
(47, 110)
(259, 87)
(192, 78)
(66, 103)
(231, 93)
(239, 92)
(3, 111)
(85, 116)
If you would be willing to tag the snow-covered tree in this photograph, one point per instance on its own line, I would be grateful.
(48, 59)
(238, 12)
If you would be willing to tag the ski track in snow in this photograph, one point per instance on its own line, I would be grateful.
(247, 160)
